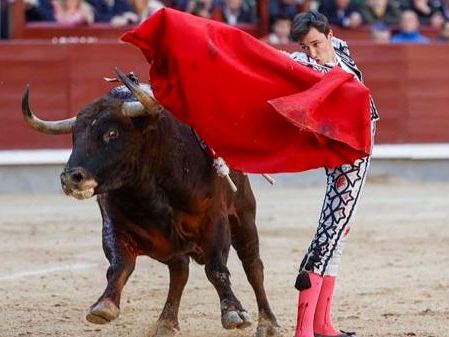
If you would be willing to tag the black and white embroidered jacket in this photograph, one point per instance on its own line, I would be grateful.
(344, 56)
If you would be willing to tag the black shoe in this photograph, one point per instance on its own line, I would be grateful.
(343, 334)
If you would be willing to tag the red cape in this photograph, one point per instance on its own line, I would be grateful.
(257, 108)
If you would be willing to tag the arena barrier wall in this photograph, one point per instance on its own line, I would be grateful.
(409, 84)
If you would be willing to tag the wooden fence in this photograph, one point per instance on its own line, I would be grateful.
(410, 84)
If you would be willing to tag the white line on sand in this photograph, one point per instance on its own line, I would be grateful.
(46, 271)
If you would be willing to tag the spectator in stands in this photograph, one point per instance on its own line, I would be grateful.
(342, 13)
(380, 11)
(234, 12)
(4, 22)
(445, 10)
(284, 8)
(444, 33)
(409, 32)
(179, 4)
(39, 10)
(116, 12)
(146, 8)
(73, 12)
(280, 31)
(430, 12)
(380, 33)
(203, 8)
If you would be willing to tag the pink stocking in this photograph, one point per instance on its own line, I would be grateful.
(322, 323)
(306, 307)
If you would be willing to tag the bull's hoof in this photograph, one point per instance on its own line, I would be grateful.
(102, 312)
(236, 319)
(164, 330)
(267, 330)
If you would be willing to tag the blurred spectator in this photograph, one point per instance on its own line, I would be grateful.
(4, 19)
(380, 33)
(446, 10)
(430, 12)
(444, 33)
(179, 4)
(203, 8)
(73, 12)
(39, 10)
(116, 12)
(234, 12)
(380, 11)
(284, 8)
(341, 13)
(146, 8)
(409, 33)
(280, 31)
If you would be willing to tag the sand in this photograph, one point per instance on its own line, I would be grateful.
(394, 278)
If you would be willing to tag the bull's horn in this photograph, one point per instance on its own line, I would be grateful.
(134, 109)
(149, 103)
(50, 127)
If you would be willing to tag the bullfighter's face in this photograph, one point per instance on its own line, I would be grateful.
(318, 46)
(104, 143)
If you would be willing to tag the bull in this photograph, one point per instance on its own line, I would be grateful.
(159, 196)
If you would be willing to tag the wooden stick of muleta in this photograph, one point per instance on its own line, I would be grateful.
(269, 178)
(234, 188)
(224, 171)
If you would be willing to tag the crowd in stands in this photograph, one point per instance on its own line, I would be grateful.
(127, 12)
(390, 21)
(395, 21)
(4, 19)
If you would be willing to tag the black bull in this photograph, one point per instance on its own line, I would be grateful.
(159, 196)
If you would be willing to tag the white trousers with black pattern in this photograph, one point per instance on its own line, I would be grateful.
(344, 186)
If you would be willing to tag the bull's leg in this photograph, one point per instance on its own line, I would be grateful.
(107, 306)
(167, 324)
(246, 242)
(121, 254)
(232, 313)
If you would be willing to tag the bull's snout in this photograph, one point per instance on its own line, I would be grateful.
(73, 178)
(78, 183)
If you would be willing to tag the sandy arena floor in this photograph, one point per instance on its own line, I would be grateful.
(394, 280)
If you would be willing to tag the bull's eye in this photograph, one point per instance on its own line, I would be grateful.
(110, 135)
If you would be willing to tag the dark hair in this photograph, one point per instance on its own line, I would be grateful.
(302, 23)
(282, 16)
(198, 7)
